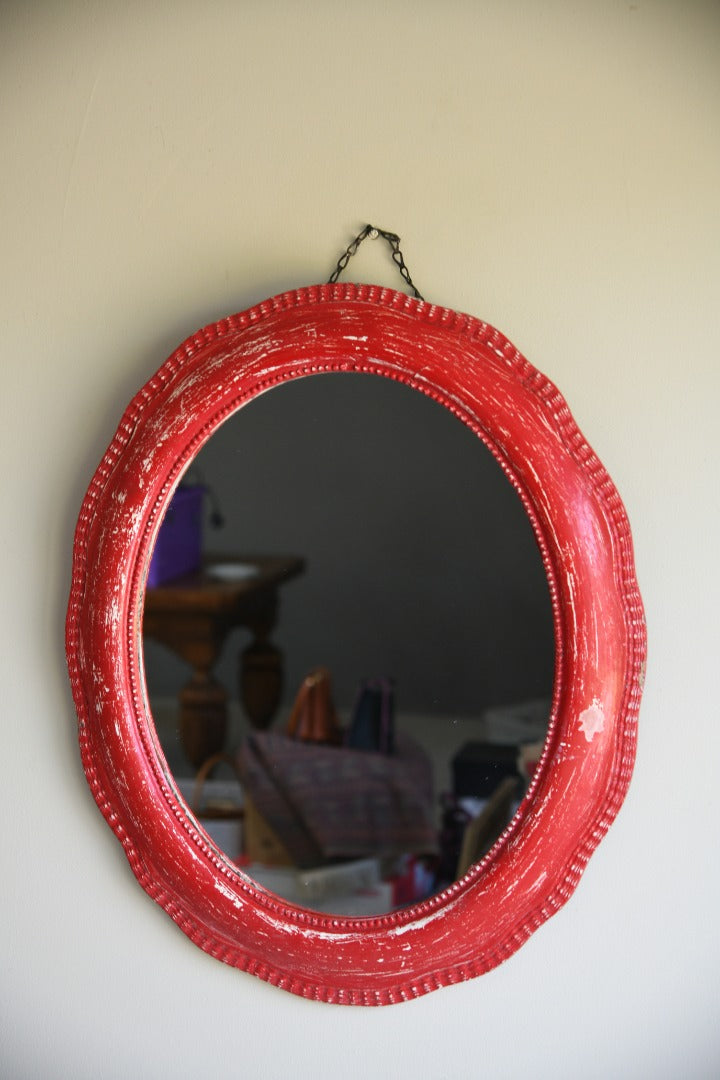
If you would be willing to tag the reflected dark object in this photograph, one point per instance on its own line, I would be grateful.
(372, 723)
(479, 767)
(260, 679)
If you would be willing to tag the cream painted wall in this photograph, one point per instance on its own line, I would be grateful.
(553, 167)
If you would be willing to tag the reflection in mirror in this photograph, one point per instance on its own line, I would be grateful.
(353, 686)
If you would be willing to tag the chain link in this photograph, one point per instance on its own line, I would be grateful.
(392, 239)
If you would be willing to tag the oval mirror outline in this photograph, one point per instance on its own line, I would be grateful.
(600, 642)
(407, 530)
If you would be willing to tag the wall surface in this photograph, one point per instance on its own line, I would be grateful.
(552, 167)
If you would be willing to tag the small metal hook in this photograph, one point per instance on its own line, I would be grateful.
(393, 240)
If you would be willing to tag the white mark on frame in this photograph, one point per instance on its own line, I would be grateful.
(592, 720)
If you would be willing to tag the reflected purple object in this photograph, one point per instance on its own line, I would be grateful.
(178, 548)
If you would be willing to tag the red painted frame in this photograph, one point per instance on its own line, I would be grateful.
(584, 537)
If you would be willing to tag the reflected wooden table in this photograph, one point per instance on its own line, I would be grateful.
(192, 615)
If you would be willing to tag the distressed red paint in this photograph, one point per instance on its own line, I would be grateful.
(584, 536)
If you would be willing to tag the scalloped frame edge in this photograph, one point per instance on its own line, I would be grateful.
(474, 371)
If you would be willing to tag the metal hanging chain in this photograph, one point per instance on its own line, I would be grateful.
(393, 240)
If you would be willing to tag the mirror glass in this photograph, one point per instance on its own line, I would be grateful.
(375, 583)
